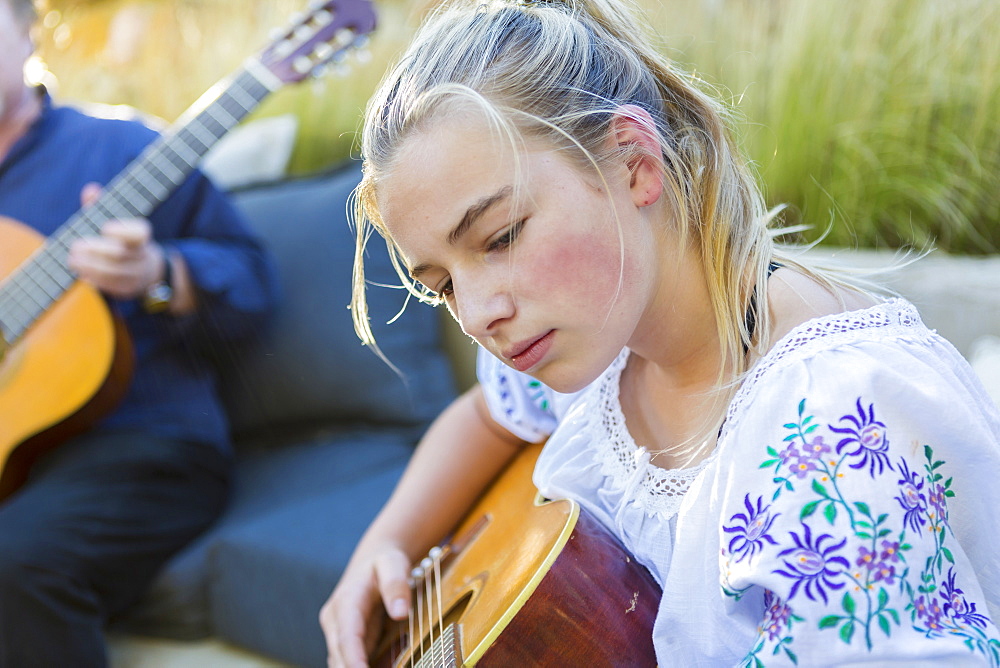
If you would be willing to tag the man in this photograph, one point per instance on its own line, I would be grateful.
(103, 511)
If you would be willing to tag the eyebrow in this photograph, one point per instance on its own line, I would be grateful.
(472, 214)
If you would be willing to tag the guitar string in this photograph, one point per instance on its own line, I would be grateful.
(425, 566)
(436, 553)
(420, 611)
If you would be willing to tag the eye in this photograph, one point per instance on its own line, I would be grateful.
(441, 295)
(507, 238)
(446, 290)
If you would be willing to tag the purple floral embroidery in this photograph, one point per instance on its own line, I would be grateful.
(911, 497)
(750, 529)
(871, 555)
(811, 564)
(938, 502)
(956, 606)
(776, 617)
(880, 564)
(868, 435)
(929, 611)
(804, 459)
(799, 463)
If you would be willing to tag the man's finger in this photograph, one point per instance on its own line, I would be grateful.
(90, 193)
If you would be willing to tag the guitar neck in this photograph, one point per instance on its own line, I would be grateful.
(134, 193)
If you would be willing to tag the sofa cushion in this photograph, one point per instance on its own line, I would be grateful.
(270, 576)
(321, 478)
(309, 370)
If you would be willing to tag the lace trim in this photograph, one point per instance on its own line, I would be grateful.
(894, 318)
(660, 491)
(656, 490)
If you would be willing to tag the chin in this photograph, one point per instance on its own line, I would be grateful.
(566, 381)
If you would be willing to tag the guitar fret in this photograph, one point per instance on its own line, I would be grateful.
(129, 190)
(226, 122)
(48, 287)
(178, 173)
(200, 131)
(27, 313)
(239, 92)
(158, 179)
(175, 146)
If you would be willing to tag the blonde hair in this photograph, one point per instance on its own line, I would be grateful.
(559, 72)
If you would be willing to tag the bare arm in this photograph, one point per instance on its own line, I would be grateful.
(461, 453)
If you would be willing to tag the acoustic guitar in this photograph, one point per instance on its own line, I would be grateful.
(526, 582)
(64, 359)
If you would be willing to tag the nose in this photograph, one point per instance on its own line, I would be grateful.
(481, 305)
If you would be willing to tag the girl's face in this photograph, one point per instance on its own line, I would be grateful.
(527, 252)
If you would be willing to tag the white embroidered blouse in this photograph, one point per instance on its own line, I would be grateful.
(850, 514)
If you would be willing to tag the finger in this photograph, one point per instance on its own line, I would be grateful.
(101, 264)
(344, 629)
(133, 233)
(392, 572)
(89, 194)
(101, 251)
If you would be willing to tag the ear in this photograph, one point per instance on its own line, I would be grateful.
(634, 132)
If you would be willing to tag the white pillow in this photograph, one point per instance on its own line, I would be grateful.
(255, 152)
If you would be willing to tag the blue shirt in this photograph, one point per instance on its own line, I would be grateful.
(172, 392)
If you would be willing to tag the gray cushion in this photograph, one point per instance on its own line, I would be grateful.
(307, 482)
(310, 369)
(272, 574)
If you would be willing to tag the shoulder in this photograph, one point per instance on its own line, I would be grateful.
(795, 298)
(882, 355)
(123, 124)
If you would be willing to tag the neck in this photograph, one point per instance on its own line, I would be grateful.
(677, 334)
(17, 117)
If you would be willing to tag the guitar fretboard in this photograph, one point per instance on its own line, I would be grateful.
(145, 183)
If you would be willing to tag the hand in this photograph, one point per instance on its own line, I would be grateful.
(352, 616)
(123, 261)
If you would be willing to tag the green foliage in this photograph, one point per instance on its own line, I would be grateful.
(874, 121)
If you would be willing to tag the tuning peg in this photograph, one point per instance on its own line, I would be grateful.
(284, 49)
(323, 52)
(323, 17)
(303, 33)
(303, 64)
(343, 37)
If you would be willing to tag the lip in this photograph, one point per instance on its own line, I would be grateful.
(526, 355)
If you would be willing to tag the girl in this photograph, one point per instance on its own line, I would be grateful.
(806, 469)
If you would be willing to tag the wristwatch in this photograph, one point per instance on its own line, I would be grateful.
(159, 294)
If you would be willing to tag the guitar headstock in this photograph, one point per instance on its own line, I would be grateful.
(324, 32)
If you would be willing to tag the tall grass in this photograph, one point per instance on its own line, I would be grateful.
(875, 121)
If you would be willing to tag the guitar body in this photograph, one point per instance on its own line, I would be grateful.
(70, 368)
(531, 582)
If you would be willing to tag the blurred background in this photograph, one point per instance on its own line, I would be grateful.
(876, 122)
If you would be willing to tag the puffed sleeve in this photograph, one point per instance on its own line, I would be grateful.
(524, 406)
(860, 513)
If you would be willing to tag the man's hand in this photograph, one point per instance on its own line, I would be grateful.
(124, 261)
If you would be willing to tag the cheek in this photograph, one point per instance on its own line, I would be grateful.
(579, 269)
